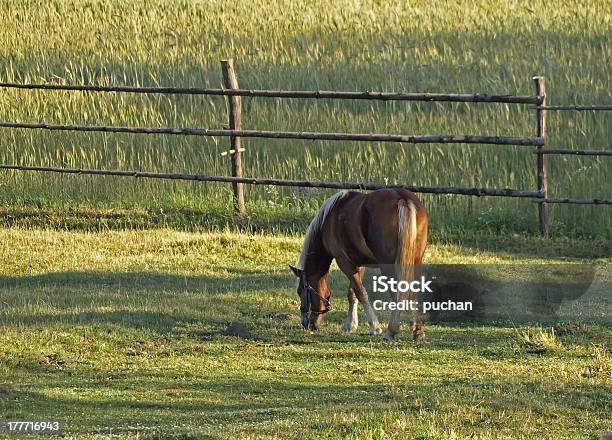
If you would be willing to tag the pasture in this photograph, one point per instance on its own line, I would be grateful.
(120, 333)
(483, 46)
(120, 298)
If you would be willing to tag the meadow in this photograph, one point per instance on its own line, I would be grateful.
(120, 334)
(480, 46)
(116, 294)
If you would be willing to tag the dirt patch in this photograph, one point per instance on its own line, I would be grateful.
(51, 359)
(237, 330)
(569, 328)
(193, 350)
(7, 391)
(281, 317)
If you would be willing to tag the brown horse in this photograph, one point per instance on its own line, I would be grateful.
(383, 227)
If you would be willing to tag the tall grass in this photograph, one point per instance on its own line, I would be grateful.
(483, 46)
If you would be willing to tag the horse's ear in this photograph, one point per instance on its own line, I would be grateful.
(297, 272)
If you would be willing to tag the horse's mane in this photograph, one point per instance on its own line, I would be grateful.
(315, 226)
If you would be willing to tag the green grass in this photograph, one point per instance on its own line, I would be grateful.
(115, 292)
(119, 332)
(482, 46)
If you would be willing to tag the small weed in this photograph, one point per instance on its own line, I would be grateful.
(539, 340)
(602, 365)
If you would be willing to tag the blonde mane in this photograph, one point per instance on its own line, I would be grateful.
(315, 226)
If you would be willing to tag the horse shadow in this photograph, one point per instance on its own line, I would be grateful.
(203, 306)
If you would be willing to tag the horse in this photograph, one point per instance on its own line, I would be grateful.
(384, 228)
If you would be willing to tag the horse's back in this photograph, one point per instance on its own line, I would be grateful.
(383, 227)
(364, 226)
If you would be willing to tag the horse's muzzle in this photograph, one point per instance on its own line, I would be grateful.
(309, 324)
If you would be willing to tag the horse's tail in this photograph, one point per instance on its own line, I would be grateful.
(405, 257)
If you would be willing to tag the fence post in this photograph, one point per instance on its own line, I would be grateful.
(235, 123)
(540, 88)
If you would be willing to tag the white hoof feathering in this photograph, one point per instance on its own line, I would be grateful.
(349, 326)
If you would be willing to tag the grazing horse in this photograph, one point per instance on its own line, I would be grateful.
(384, 227)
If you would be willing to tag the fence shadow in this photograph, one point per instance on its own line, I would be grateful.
(200, 306)
(203, 406)
(287, 221)
(90, 220)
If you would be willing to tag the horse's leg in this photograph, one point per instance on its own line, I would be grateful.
(355, 276)
(416, 323)
(395, 320)
(352, 318)
(362, 296)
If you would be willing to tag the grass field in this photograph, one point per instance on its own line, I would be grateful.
(115, 293)
(480, 46)
(119, 332)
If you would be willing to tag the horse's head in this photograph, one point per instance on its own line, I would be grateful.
(314, 301)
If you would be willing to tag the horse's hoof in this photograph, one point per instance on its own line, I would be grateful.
(387, 336)
(348, 327)
(418, 336)
(375, 331)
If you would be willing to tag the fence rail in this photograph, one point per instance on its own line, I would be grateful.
(235, 132)
(576, 201)
(307, 135)
(317, 94)
(577, 107)
(505, 192)
(574, 152)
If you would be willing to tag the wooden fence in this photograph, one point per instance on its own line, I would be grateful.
(235, 132)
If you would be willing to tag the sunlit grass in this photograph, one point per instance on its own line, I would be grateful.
(119, 333)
